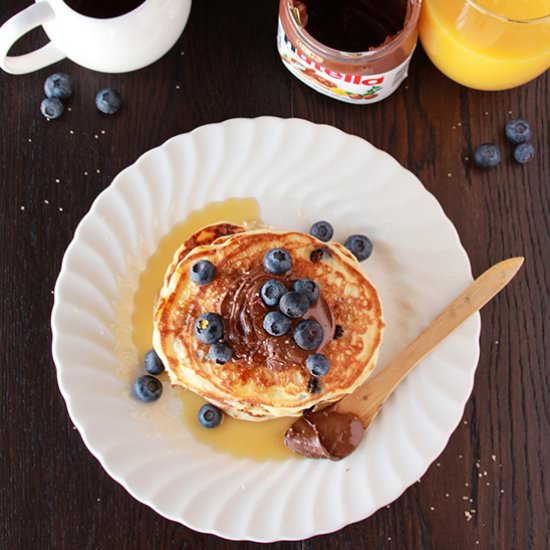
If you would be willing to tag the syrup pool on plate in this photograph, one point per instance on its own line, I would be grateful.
(241, 438)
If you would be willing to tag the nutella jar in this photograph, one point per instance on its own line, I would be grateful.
(357, 51)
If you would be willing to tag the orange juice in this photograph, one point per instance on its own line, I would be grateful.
(487, 44)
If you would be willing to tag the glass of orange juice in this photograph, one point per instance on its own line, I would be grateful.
(487, 44)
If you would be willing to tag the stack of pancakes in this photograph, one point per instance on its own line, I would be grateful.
(266, 376)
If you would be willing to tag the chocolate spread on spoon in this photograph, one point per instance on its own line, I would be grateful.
(325, 434)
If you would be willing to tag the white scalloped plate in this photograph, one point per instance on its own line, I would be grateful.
(299, 172)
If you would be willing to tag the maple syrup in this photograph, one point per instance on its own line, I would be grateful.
(241, 438)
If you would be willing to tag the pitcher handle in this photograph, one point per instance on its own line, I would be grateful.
(17, 26)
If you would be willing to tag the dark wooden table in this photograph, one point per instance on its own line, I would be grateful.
(54, 494)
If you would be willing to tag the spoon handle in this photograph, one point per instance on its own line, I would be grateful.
(366, 400)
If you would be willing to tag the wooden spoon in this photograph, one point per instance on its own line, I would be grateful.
(365, 402)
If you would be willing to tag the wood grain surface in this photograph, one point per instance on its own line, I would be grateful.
(490, 488)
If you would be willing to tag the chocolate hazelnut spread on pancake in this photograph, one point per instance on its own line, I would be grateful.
(244, 310)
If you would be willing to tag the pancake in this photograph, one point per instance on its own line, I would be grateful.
(202, 237)
(266, 378)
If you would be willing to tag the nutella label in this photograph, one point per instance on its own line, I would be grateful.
(351, 88)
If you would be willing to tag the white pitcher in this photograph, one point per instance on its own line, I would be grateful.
(113, 45)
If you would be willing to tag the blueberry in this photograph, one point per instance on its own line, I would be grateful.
(51, 108)
(319, 254)
(202, 272)
(210, 416)
(277, 261)
(276, 324)
(209, 328)
(147, 388)
(272, 291)
(524, 152)
(58, 85)
(309, 288)
(152, 362)
(359, 245)
(294, 304)
(487, 155)
(313, 385)
(317, 364)
(308, 334)
(220, 353)
(518, 131)
(108, 101)
(322, 231)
